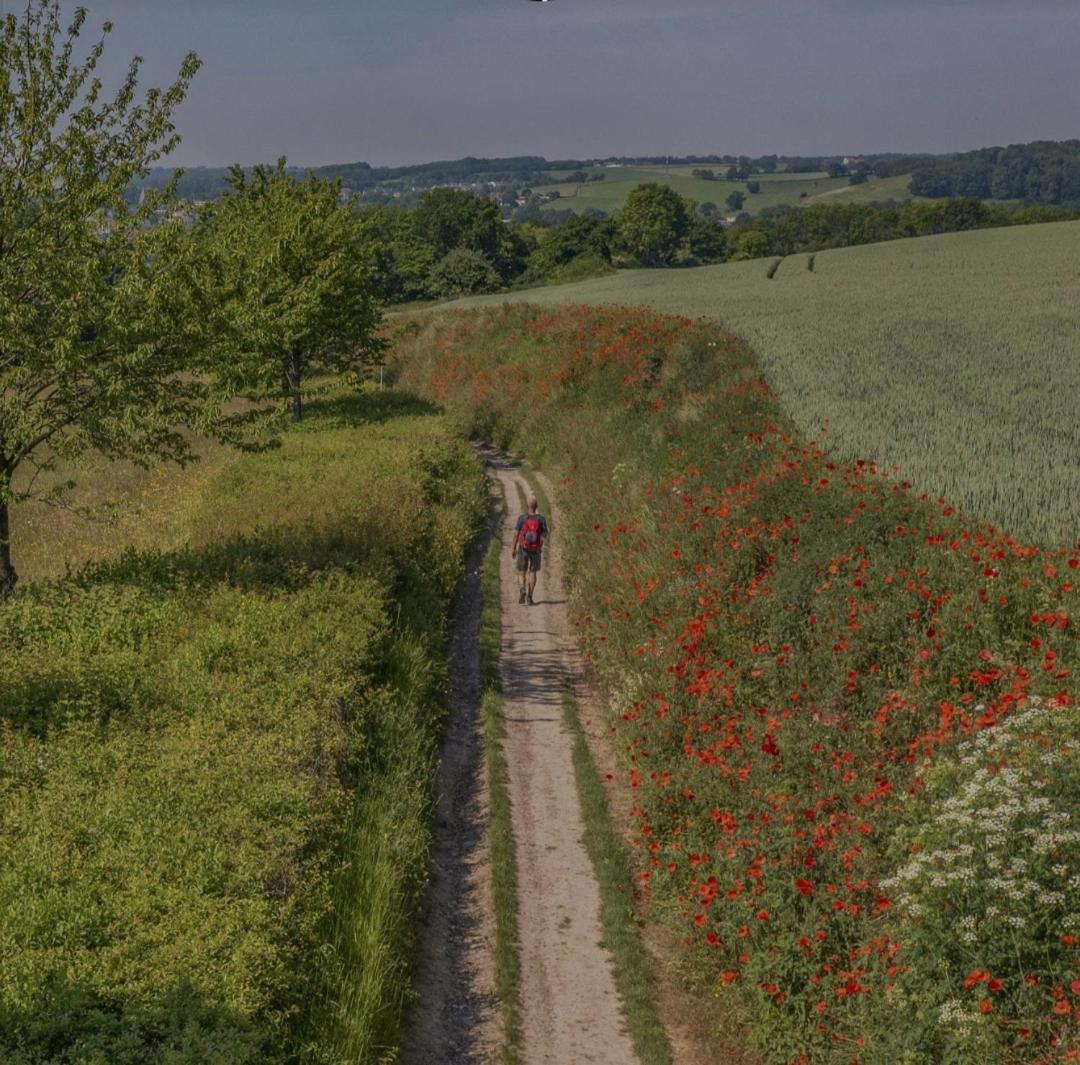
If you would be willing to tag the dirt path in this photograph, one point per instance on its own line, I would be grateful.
(570, 1006)
(571, 1011)
(455, 1016)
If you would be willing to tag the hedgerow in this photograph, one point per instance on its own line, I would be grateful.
(216, 762)
(809, 665)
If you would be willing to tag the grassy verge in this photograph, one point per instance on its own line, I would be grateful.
(529, 473)
(216, 760)
(634, 971)
(504, 873)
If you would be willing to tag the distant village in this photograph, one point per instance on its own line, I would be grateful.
(500, 193)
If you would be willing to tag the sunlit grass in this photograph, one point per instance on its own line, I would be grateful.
(219, 742)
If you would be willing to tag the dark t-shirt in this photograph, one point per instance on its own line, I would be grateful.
(543, 528)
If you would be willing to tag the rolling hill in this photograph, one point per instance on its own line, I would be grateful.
(951, 357)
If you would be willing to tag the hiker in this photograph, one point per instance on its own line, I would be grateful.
(527, 549)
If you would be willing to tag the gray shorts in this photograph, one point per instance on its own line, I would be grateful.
(528, 561)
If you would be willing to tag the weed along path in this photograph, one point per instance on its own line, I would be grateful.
(570, 1008)
(455, 1016)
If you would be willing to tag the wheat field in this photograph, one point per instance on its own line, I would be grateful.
(955, 359)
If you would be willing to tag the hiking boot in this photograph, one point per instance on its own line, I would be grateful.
(530, 599)
(521, 596)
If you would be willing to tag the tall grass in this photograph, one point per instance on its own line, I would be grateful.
(217, 759)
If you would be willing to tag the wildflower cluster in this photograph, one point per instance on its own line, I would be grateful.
(803, 658)
(987, 875)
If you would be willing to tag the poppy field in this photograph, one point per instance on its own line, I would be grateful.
(846, 711)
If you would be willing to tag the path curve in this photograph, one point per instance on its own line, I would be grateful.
(571, 1010)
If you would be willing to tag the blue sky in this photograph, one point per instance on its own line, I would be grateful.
(404, 81)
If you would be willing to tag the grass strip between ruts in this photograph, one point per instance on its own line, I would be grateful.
(529, 473)
(635, 978)
(504, 875)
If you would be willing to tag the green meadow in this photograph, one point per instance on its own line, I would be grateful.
(217, 743)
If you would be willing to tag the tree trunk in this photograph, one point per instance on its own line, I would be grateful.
(8, 576)
(293, 370)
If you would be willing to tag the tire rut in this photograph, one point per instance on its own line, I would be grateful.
(571, 1010)
(455, 1018)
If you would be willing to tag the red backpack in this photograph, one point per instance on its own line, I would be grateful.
(531, 537)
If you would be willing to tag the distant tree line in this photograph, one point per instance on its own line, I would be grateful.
(207, 183)
(523, 169)
(1041, 172)
(455, 243)
(821, 226)
(1046, 172)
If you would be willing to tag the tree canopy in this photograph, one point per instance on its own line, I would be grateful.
(296, 282)
(99, 316)
(652, 224)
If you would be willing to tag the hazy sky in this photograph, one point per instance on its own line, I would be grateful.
(403, 81)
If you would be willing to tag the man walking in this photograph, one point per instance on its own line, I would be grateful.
(532, 529)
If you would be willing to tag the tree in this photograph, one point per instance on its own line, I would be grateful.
(450, 218)
(652, 223)
(100, 318)
(400, 260)
(751, 244)
(297, 290)
(706, 241)
(753, 187)
(735, 201)
(577, 240)
(463, 272)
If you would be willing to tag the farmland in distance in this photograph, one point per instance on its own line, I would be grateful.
(954, 358)
(777, 190)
